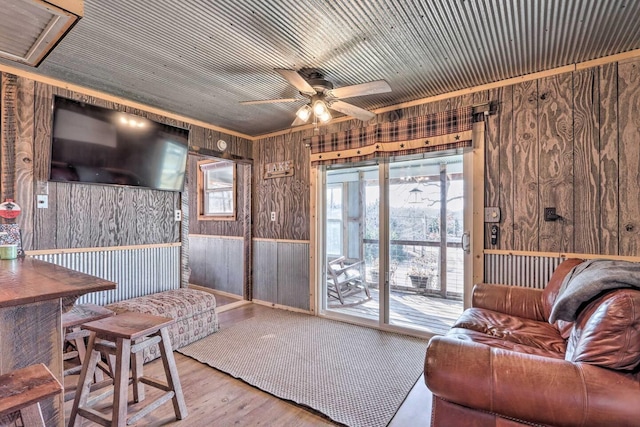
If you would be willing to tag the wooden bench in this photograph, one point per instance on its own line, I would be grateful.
(194, 313)
(346, 279)
(21, 391)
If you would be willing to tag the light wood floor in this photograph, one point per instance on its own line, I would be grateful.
(217, 399)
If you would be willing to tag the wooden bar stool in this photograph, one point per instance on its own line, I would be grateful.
(125, 336)
(74, 337)
(23, 390)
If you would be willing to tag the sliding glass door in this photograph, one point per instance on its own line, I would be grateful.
(392, 239)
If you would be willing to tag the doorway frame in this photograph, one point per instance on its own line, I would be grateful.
(474, 164)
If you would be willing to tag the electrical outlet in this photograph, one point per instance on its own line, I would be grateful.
(550, 214)
(42, 201)
(177, 215)
(273, 216)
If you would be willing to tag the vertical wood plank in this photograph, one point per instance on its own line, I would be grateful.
(63, 224)
(492, 143)
(629, 157)
(609, 143)
(525, 166)
(586, 188)
(84, 229)
(192, 171)
(44, 219)
(24, 159)
(8, 135)
(506, 167)
(555, 165)
(102, 215)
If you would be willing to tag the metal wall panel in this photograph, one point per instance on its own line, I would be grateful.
(293, 274)
(137, 272)
(217, 263)
(281, 273)
(265, 271)
(520, 270)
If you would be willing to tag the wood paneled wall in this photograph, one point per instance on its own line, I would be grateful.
(80, 215)
(288, 197)
(569, 141)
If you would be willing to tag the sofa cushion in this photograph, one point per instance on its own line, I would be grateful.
(607, 332)
(518, 330)
(491, 341)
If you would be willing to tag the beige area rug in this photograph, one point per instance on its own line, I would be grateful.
(354, 375)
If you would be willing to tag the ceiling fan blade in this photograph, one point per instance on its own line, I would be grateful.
(352, 110)
(298, 122)
(296, 80)
(270, 101)
(370, 88)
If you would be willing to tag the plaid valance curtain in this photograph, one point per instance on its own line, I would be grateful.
(434, 132)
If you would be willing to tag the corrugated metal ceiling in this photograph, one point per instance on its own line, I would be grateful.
(200, 58)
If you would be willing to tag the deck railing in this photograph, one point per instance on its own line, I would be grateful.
(447, 284)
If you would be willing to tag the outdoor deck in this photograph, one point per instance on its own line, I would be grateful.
(431, 314)
(409, 307)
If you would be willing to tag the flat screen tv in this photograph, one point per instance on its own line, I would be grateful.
(98, 145)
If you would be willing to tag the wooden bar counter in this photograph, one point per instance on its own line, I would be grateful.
(33, 295)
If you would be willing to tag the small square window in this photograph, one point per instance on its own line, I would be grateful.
(216, 190)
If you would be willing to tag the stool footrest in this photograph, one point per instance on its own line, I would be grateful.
(144, 344)
(92, 400)
(74, 335)
(95, 416)
(155, 383)
(150, 407)
(74, 370)
(70, 355)
(69, 395)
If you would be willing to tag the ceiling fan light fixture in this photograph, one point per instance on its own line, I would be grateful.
(304, 113)
(320, 108)
(325, 117)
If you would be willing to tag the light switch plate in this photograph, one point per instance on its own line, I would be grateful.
(492, 214)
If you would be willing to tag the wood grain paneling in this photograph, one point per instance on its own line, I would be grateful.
(288, 197)
(555, 162)
(506, 153)
(43, 219)
(629, 166)
(492, 162)
(8, 134)
(24, 159)
(586, 162)
(525, 166)
(609, 143)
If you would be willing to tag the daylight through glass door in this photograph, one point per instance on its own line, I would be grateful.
(420, 286)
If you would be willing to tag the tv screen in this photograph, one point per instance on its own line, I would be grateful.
(98, 145)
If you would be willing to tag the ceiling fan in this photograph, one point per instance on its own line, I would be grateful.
(322, 97)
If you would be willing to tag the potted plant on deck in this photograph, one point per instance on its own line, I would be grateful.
(422, 269)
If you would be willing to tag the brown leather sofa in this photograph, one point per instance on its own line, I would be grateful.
(503, 364)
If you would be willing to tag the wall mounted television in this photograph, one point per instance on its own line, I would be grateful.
(96, 145)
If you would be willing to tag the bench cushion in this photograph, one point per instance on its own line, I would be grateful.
(193, 310)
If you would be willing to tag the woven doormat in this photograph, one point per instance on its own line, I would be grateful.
(354, 375)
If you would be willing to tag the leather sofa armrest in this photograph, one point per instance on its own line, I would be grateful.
(513, 300)
(528, 387)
